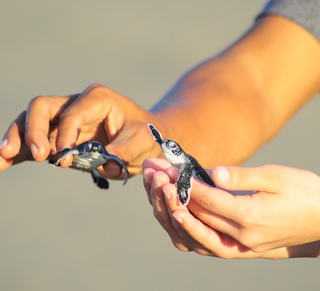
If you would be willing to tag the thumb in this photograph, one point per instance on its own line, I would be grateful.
(265, 178)
(133, 144)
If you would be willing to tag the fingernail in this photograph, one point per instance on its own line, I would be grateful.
(223, 173)
(34, 150)
(3, 143)
(178, 218)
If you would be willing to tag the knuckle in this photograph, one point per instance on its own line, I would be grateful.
(125, 153)
(219, 253)
(162, 219)
(259, 248)
(246, 220)
(311, 180)
(205, 252)
(250, 234)
(224, 255)
(242, 177)
(97, 89)
(203, 201)
(249, 239)
(95, 85)
(40, 100)
(66, 112)
(181, 247)
(248, 216)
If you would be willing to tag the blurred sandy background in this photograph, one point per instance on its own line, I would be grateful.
(58, 231)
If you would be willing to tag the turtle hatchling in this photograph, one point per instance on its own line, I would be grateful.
(187, 164)
(87, 157)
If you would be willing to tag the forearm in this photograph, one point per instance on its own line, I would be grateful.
(226, 108)
(214, 113)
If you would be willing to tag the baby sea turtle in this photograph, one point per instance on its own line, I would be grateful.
(188, 165)
(87, 157)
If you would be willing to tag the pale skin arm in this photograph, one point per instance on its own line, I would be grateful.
(267, 75)
(280, 220)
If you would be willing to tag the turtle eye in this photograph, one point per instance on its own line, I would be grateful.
(172, 145)
(100, 148)
(89, 146)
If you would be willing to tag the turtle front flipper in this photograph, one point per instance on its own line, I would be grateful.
(99, 180)
(201, 173)
(122, 164)
(156, 134)
(184, 183)
(66, 152)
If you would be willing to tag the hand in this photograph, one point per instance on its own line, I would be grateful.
(98, 113)
(284, 211)
(208, 232)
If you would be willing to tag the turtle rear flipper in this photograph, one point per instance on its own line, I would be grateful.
(99, 180)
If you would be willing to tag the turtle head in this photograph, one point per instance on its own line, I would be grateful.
(90, 147)
(173, 152)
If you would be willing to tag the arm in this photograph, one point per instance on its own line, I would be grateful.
(226, 102)
(267, 75)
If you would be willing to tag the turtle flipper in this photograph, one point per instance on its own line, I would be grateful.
(122, 164)
(156, 134)
(99, 180)
(66, 152)
(201, 174)
(184, 183)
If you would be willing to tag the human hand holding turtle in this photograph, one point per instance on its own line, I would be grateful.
(279, 221)
(99, 113)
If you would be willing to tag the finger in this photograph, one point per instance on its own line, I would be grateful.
(216, 200)
(42, 114)
(266, 178)
(5, 163)
(173, 173)
(200, 237)
(149, 167)
(24, 155)
(13, 138)
(202, 202)
(160, 209)
(174, 207)
(156, 164)
(13, 149)
(133, 145)
(211, 242)
(208, 241)
(159, 206)
(218, 222)
(147, 180)
(86, 113)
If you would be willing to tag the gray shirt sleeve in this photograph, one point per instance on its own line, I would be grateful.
(304, 12)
